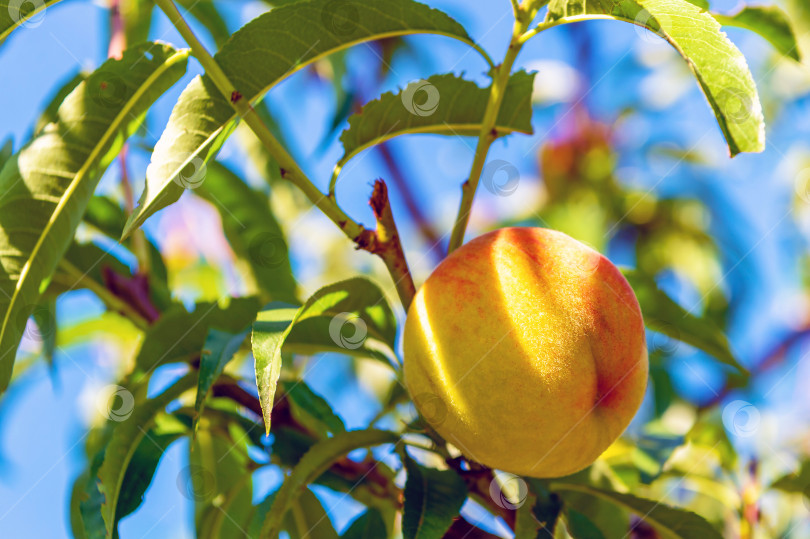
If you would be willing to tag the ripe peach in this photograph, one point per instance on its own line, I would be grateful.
(526, 350)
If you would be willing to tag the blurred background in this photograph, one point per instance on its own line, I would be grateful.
(626, 156)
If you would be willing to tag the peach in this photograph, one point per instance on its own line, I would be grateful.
(525, 349)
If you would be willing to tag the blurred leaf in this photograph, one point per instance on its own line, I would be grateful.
(580, 526)
(178, 335)
(369, 525)
(545, 510)
(315, 462)
(125, 439)
(219, 482)
(207, 14)
(452, 106)
(137, 18)
(356, 302)
(433, 498)
(48, 184)
(307, 518)
(14, 14)
(708, 433)
(798, 482)
(671, 522)
(663, 315)
(252, 230)
(141, 469)
(311, 410)
(297, 35)
(770, 22)
(218, 349)
(718, 65)
(50, 114)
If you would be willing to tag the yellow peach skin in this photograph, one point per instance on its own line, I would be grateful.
(526, 350)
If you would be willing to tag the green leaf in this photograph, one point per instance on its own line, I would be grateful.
(307, 519)
(125, 439)
(219, 481)
(47, 185)
(581, 527)
(355, 303)
(311, 410)
(218, 349)
(720, 68)
(770, 22)
(314, 463)
(258, 56)
(141, 470)
(207, 14)
(50, 114)
(178, 335)
(14, 14)
(670, 522)
(433, 498)
(450, 105)
(798, 482)
(252, 230)
(663, 315)
(369, 525)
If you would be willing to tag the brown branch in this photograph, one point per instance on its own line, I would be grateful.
(385, 243)
(478, 478)
(134, 291)
(462, 529)
(404, 187)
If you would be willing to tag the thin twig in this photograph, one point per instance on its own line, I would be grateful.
(385, 243)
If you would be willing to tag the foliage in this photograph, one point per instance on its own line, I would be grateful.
(58, 233)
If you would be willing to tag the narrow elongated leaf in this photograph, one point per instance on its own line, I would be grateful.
(14, 14)
(52, 108)
(125, 439)
(718, 65)
(47, 185)
(311, 410)
(177, 335)
(219, 481)
(141, 469)
(581, 527)
(356, 304)
(433, 498)
(258, 56)
(218, 349)
(369, 525)
(252, 230)
(670, 522)
(315, 462)
(768, 21)
(307, 518)
(451, 106)
(664, 315)
(798, 482)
